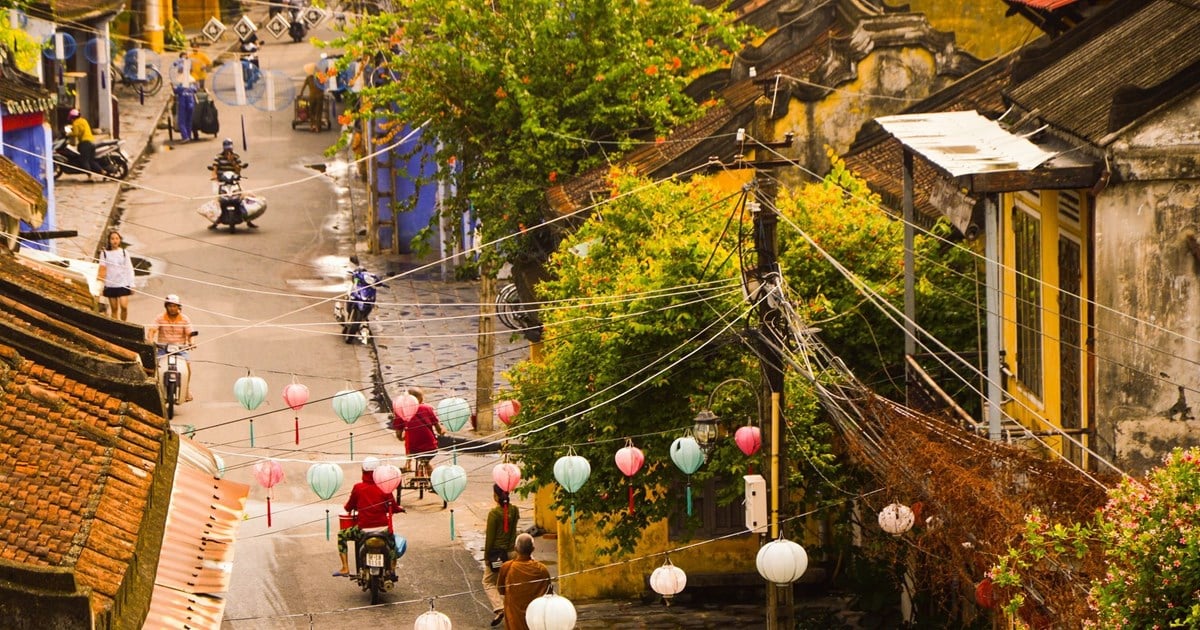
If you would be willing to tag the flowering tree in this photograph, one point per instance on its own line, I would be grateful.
(1138, 559)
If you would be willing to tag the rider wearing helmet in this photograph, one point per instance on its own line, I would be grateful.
(172, 328)
(375, 508)
(80, 134)
(227, 161)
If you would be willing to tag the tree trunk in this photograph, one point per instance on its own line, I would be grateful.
(486, 348)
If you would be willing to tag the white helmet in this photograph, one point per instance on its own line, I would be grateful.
(370, 464)
(172, 299)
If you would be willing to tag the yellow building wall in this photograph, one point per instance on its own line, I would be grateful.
(1040, 414)
(194, 14)
(979, 26)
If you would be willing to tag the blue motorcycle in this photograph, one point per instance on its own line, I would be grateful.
(353, 311)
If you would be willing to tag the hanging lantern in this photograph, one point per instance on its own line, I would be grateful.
(349, 405)
(550, 612)
(781, 561)
(985, 594)
(630, 459)
(454, 413)
(250, 391)
(571, 471)
(268, 473)
(896, 519)
(507, 476)
(668, 580)
(325, 478)
(449, 481)
(748, 439)
(688, 456)
(295, 395)
(387, 477)
(507, 410)
(405, 406)
(432, 620)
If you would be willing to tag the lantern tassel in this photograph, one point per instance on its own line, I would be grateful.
(451, 523)
(327, 525)
(572, 518)
(631, 497)
(268, 510)
(251, 432)
(689, 498)
(297, 430)
(351, 445)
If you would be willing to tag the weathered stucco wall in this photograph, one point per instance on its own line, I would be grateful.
(1148, 322)
(979, 26)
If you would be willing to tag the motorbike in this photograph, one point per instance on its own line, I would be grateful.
(127, 75)
(109, 154)
(371, 570)
(353, 311)
(232, 207)
(173, 375)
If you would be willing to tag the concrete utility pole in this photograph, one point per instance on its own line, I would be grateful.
(780, 600)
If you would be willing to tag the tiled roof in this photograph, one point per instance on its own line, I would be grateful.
(1048, 5)
(76, 467)
(878, 158)
(689, 140)
(42, 279)
(21, 93)
(1111, 79)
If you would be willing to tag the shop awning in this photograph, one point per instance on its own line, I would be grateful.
(20, 194)
(964, 143)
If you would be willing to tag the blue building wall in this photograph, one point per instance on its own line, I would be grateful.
(404, 188)
(29, 148)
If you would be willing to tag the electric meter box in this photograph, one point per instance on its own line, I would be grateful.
(756, 504)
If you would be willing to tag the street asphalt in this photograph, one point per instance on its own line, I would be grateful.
(423, 334)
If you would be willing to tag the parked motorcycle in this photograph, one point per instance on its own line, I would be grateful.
(127, 75)
(232, 207)
(173, 375)
(353, 311)
(109, 154)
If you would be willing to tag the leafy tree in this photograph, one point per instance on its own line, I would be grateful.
(521, 93)
(646, 319)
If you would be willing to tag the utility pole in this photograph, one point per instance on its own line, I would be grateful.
(771, 332)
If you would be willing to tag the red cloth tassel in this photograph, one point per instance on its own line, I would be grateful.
(268, 510)
(297, 430)
(631, 498)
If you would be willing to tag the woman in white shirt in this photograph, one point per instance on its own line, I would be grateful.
(116, 272)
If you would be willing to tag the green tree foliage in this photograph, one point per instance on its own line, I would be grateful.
(523, 92)
(645, 316)
(25, 49)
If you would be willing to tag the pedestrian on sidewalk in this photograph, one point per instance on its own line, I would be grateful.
(185, 104)
(116, 272)
(499, 542)
(521, 581)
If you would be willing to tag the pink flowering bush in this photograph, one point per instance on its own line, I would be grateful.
(1137, 560)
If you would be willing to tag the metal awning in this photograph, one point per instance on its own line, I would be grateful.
(964, 143)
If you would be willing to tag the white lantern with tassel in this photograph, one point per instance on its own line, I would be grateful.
(432, 620)
(668, 580)
(781, 561)
(896, 519)
(550, 612)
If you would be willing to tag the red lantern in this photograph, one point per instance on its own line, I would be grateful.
(748, 439)
(985, 595)
(268, 473)
(507, 410)
(295, 395)
(404, 407)
(629, 460)
(387, 477)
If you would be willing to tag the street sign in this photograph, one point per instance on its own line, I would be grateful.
(213, 30)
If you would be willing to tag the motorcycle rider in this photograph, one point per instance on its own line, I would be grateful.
(375, 508)
(228, 160)
(172, 327)
(80, 134)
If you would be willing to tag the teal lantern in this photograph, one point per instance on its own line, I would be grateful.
(251, 391)
(449, 481)
(325, 479)
(454, 413)
(349, 405)
(571, 471)
(688, 456)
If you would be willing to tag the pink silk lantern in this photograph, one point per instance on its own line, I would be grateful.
(295, 395)
(629, 460)
(507, 410)
(507, 476)
(405, 406)
(749, 439)
(387, 477)
(268, 473)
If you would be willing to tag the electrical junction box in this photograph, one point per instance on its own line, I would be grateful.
(756, 504)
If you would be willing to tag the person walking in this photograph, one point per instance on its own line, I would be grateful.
(85, 141)
(521, 581)
(500, 539)
(419, 433)
(116, 272)
(185, 105)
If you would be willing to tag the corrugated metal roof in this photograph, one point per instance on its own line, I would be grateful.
(196, 560)
(1149, 47)
(964, 143)
(1048, 5)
